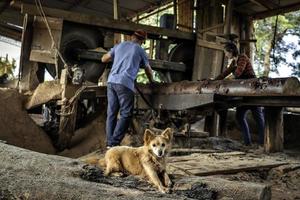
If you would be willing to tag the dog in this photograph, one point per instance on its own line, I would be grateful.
(147, 161)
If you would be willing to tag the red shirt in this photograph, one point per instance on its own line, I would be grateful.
(244, 69)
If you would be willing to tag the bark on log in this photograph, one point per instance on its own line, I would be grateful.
(238, 87)
(26, 174)
(227, 189)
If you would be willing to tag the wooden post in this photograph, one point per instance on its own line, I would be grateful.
(116, 14)
(68, 113)
(27, 71)
(228, 19)
(212, 124)
(273, 129)
(117, 38)
(175, 13)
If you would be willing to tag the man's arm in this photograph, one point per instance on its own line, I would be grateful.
(106, 58)
(149, 73)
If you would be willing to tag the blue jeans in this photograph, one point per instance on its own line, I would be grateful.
(258, 116)
(120, 99)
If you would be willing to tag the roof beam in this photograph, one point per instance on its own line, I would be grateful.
(4, 6)
(115, 25)
(10, 32)
(266, 4)
(277, 11)
(77, 3)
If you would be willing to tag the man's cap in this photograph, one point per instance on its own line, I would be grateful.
(140, 34)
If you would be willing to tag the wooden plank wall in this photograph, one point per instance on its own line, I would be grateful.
(185, 15)
(208, 55)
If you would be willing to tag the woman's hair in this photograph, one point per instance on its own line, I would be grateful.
(231, 47)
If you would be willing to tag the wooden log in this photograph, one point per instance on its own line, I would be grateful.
(227, 189)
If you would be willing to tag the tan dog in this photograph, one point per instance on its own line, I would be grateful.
(147, 161)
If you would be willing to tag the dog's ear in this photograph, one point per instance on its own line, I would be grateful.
(168, 134)
(148, 136)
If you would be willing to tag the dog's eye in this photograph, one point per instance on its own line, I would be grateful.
(163, 144)
(154, 145)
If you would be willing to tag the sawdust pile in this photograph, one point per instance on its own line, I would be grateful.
(93, 137)
(87, 139)
(17, 128)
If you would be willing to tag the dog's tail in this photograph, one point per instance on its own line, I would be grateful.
(95, 161)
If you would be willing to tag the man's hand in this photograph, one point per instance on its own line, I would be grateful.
(149, 73)
(106, 58)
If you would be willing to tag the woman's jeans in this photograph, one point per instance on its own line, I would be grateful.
(258, 116)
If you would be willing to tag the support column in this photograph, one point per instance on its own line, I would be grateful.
(28, 69)
(273, 129)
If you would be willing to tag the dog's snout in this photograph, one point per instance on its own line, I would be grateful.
(160, 152)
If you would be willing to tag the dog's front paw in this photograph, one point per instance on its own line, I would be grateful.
(169, 184)
(118, 174)
(164, 190)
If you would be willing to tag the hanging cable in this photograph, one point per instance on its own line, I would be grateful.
(43, 15)
(274, 38)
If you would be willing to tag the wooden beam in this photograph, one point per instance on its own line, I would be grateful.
(77, 3)
(4, 6)
(277, 11)
(116, 10)
(68, 112)
(211, 28)
(10, 32)
(27, 70)
(175, 13)
(152, 7)
(210, 45)
(273, 129)
(155, 64)
(116, 25)
(228, 19)
(266, 3)
(155, 12)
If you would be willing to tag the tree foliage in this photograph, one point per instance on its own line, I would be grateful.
(271, 49)
(7, 66)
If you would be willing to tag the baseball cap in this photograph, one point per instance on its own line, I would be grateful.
(140, 34)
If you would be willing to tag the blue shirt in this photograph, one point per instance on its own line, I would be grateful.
(127, 58)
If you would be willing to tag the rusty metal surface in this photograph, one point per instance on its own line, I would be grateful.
(249, 87)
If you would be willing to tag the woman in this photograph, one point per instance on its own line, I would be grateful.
(241, 68)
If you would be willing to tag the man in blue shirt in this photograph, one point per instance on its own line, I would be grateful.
(127, 58)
